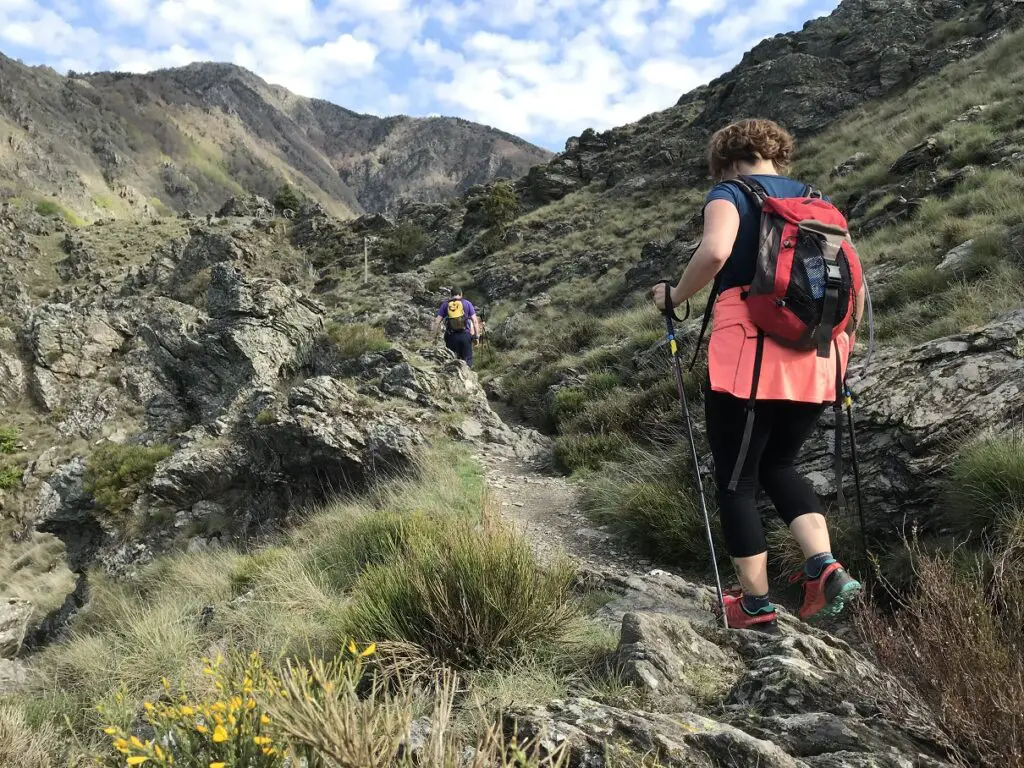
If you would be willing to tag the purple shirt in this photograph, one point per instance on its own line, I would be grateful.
(467, 308)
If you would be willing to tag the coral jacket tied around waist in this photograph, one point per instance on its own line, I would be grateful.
(786, 374)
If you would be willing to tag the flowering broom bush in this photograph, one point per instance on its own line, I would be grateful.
(225, 729)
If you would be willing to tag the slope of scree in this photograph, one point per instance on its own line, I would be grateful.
(113, 143)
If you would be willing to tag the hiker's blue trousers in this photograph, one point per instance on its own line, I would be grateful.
(780, 430)
(462, 345)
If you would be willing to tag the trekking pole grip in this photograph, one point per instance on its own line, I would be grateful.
(669, 310)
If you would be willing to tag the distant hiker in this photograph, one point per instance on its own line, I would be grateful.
(461, 326)
(769, 381)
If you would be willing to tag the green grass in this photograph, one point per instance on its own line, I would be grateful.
(9, 438)
(986, 485)
(357, 339)
(54, 209)
(651, 499)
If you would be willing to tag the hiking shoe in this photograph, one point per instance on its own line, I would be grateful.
(765, 620)
(827, 594)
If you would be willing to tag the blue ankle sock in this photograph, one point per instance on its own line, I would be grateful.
(755, 604)
(815, 564)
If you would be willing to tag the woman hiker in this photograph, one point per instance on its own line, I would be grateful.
(793, 389)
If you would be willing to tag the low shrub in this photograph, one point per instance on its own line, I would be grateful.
(226, 726)
(957, 642)
(287, 199)
(401, 246)
(356, 339)
(471, 597)
(9, 437)
(116, 474)
(10, 477)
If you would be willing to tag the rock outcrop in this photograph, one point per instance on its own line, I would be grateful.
(911, 406)
(802, 699)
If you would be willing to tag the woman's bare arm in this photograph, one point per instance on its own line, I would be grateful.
(721, 225)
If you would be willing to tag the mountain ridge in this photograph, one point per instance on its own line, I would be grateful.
(190, 137)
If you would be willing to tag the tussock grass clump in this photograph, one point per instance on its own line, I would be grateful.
(21, 745)
(471, 597)
(356, 339)
(589, 451)
(651, 498)
(986, 485)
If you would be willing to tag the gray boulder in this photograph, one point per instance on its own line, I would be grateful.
(14, 616)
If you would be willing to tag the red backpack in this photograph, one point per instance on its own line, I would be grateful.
(804, 291)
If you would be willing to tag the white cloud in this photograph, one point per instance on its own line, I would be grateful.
(128, 11)
(758, 21)
(543, 68)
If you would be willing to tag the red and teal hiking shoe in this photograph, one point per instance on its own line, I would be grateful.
(765, 620)
(829, 593)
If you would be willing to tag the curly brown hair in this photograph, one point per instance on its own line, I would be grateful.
(749, 141)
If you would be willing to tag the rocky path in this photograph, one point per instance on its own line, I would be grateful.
(714, 699)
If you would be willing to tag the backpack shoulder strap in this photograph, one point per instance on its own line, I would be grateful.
(752, 188)
(810, 191)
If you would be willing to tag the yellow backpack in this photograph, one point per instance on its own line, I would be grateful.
(456, 316)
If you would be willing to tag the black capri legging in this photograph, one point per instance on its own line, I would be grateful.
(780, 430)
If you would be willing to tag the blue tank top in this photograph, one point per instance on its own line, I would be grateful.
(739, 269)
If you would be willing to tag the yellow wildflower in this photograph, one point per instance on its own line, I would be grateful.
(121, 745)
(187, 711)
(137, 760)
(261, 741)
(236, 702)
(218, 765)
(265, 719)
(352, 647)
(202, 729)
(220, 734)
(148, 706)
(110, 731)
(369, 650)
(250, 704)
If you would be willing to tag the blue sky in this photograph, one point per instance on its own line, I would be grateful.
(543, 69)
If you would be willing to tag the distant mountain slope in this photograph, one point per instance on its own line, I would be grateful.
(191, 137)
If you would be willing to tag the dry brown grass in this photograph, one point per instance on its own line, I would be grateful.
(958, 642)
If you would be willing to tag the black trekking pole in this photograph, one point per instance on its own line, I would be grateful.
(856, 471)
(674, 349)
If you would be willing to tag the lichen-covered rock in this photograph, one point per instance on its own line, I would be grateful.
(911, 406)
(14, 616)
(664, 655)
(589, 731)
(12, 377)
